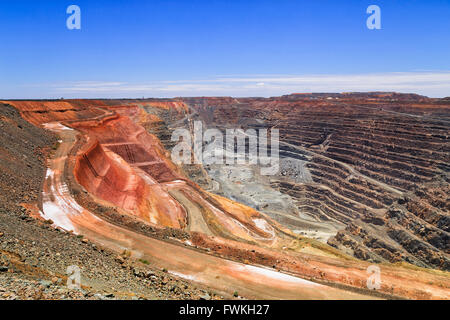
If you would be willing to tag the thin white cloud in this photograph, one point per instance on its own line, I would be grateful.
(433, 84)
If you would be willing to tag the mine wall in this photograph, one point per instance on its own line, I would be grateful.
(367, 161)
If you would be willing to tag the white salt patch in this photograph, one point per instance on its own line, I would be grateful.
(62, 206)
(263, 225)
(56, 126)
(53, 212)
(184, 276)
(275, 275)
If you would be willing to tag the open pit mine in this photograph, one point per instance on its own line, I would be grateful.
(362, 181)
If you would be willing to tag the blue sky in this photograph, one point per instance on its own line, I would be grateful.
(240, 48)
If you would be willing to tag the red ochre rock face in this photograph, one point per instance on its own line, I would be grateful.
(38, 112)
(110, 178)
(108, 171)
